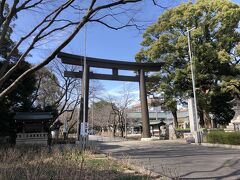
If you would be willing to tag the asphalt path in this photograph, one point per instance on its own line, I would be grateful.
(175, 158)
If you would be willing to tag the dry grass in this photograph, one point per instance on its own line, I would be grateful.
(61, 162)
(165, 174)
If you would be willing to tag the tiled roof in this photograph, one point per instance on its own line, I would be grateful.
(33, 116)
(159, 115)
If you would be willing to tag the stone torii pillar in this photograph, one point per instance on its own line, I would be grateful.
(144, 106)
(86, 93)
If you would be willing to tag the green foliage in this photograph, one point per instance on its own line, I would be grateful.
(18, 100)
(215, 45)
(221, 137)
(180, 129)
(48, 90)
(220, 107)
(8, 43)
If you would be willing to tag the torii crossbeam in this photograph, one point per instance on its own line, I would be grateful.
(115, 66)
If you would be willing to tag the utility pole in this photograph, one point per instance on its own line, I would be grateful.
(85, 74)
(193, 84)
(126, 126)
(85, 89)
(93, 109)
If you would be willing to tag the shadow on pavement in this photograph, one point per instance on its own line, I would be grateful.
(182, 160)
(228, 163)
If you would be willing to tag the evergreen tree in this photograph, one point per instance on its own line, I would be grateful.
(19, 99)
(215, 43)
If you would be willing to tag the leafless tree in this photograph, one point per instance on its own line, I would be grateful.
(67, 103)
(102, 117)
(72, 111)
(70, 88)
(55, 90)
(96, 90)
(113, 14)
(120, 104)
(70, 117)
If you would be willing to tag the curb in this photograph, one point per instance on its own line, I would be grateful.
(138, 169)
(221, 145)
(148, 139)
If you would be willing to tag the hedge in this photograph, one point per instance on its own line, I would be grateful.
(221, 137)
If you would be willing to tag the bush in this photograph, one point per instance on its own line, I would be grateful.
(221, 137)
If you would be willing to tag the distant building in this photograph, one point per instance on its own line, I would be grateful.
(158, 116)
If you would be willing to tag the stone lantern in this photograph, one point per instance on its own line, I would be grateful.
(234, 125)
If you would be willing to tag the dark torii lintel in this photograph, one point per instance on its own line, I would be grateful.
(115, 66)
(106, 63)
(109, 77)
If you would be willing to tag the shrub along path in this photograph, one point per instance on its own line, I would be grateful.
(174, 159)
(221, 137)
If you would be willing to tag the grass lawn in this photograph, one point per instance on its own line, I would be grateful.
(61, 162)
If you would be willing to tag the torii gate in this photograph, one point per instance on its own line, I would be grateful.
(115, 66)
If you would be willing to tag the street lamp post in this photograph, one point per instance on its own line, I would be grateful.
(198, 139)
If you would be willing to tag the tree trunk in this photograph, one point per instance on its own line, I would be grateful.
(121, 125)
(122, 132)
(201, 117)
(175, 120)
(207, 119)
(114, 130)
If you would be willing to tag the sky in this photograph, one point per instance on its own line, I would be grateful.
(123, 44)
(102, 42)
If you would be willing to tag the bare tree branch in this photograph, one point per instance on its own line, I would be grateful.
(92, 10)
(24, 5)
(34, 41)
(2, 18)
(157, 4)
(7, 22)
(113, 27)
(58, 29)
(6, 62)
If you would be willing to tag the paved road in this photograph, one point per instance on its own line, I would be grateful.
(176, 159)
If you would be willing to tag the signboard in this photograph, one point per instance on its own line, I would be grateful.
(84, 129)
(65, 127)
